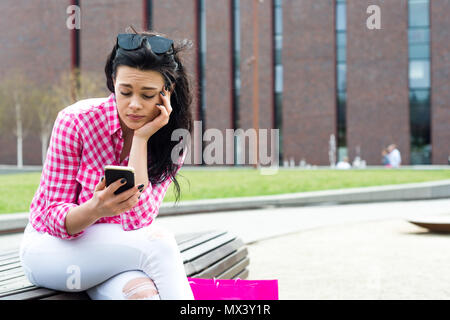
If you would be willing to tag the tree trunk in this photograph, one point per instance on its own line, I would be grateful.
(44, 145)
(19, 132)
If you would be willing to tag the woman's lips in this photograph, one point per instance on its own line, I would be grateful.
(135, 118)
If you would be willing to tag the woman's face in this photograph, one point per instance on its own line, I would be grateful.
(137, 93)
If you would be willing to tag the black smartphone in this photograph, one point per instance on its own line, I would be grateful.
(114, 173)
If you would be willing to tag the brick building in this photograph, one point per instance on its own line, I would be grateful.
(321, 69)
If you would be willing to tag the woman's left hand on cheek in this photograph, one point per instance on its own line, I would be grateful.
(147, 130)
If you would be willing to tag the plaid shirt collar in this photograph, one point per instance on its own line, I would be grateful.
(113, 116)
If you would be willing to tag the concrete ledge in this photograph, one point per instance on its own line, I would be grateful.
(13, 222)
(401, 192)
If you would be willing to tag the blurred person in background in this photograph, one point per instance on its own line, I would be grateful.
(344, 164)
(394, 156)
(385, 158)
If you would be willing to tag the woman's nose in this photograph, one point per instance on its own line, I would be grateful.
(135, 104)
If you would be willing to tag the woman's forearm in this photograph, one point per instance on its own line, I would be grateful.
(80, 217)
(138, 160)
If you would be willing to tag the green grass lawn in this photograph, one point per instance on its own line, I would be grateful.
(17, 190)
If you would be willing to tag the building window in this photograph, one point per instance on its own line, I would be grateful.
(236, 73)
(419, 80)
(341, 77)
(278, 71)
(148, 14)
(201, 36)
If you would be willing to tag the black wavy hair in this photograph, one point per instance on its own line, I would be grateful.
(160, 145)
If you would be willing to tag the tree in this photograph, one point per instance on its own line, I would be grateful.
(71, 87)
(45, 109)
(16, 109)
(22, 102)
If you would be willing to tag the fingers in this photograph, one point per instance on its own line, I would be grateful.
(165, 97)
(124, 196)
(164, 116)
(100, 185)
(116, 185)
(129, 203)
(130, 198)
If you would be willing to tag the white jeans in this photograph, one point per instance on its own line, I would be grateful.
(104, 259)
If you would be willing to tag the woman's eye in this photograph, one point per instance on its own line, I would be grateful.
(146, 97)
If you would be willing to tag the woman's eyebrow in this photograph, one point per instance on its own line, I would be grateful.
(143, 88)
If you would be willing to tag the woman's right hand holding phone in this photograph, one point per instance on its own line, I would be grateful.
(108, 204)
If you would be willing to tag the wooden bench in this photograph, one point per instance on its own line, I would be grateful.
(213, 254)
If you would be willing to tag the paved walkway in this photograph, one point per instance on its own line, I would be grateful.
(389, 259)
(357, 251)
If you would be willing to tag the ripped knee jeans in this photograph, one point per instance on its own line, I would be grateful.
(108, 263)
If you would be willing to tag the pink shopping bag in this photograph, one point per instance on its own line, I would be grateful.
(230, 289)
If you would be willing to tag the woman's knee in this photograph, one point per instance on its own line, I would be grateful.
(140, 288)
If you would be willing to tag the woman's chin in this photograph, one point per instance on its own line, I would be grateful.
(134, 126)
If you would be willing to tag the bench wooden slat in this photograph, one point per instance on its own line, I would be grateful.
(235, 269)
(184, 237)
(15, 273)
(205, 237)
(205, 247)
(8, 253)
(9, 261)
(69, 296)
(211, 257)
(14, 284)
(221, 265)
(27, 294)
(9, 256)
(242, 275)
(10, 266)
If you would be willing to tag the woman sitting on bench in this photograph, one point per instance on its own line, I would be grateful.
(81, 235)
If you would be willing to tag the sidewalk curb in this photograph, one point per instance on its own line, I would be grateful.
(402, 192)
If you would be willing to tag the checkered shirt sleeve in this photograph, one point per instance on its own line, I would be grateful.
(57, 192)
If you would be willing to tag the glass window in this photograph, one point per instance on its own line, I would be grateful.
(341, 20)
(341, 54)
(342, 100)
(419, 74)
(420, 112)
(418, 13)
(420, 51)
(278, 41)
(278, 19)
(279, 78)
(342, 152)
(420, 101)
(342, 76)
(419, 35)
(341, 39)
(278, 56)
(420, 126)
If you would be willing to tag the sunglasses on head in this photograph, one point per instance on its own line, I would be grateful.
(158, 44)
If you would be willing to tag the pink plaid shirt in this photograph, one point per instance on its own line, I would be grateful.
(87, 136)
